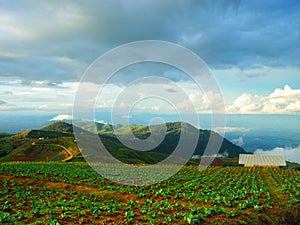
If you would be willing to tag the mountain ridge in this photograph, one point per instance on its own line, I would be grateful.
(173, 132)
(38, 144)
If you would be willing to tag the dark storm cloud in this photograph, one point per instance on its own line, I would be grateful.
(40, 68)
(57, 40)
(259, 34)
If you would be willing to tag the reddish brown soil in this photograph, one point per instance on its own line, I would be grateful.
(277, 215)
(219, 161)
(69, 187)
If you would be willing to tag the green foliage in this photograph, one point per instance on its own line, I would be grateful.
(59, 193)
(61, 133)
(3, 153)
(231, 164)
(168, 145)
(61, 127)
(7, 144)
(36, 134)
(2, 135)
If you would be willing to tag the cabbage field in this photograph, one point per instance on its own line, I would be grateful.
(73, 193)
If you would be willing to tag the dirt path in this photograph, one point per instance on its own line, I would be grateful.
(274, 191)
(70, 154)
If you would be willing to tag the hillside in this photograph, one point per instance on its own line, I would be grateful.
(76, 194)
(171, 139)
(38, 145)
(2, 134)
(41, 145)
(61, 127)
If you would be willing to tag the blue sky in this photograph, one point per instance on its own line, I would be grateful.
(252, 47)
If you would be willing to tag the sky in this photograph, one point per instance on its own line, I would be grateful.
(251, 47)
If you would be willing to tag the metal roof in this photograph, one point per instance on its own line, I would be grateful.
(256, 159)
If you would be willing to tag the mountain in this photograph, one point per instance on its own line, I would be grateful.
(40, 144)
(37, 145)
(61, 127)
(173, 133)
(109, 133)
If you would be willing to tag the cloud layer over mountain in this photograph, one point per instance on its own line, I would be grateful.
(291, 154)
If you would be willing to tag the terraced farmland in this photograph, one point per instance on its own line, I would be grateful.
(72, 193)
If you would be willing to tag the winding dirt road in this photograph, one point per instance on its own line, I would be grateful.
(70, 155)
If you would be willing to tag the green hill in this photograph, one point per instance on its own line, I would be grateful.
(171, 139)
(39, 145)
(61, 127)
(2, 135)
(35, 145)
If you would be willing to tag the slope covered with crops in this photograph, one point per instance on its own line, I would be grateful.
(72, 193)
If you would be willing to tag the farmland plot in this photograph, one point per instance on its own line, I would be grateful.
(72, 193)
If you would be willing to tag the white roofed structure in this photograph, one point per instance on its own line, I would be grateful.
(249, 160)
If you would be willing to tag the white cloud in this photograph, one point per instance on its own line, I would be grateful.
(39, 97)
(44, 106)
(190, 40)
(5, 106)
(61, 117)
(212, 100)
(7, 93)
(156, 108)
(127, 117)
(238, 141)
(231, 129)
(101, 121)
(286, 100)
(281, 101)
(245, 103)
(291, 154)
(287, 91)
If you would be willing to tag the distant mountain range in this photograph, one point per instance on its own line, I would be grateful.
(251, 132)
(46, 144)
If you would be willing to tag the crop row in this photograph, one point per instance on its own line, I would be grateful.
(64, 193)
